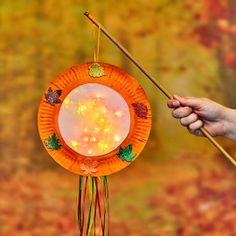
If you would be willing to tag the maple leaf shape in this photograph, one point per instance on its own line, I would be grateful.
(126, 153)
(89, 167)
(140, 109)
(53, 142)
(96, 70)
(52, 97)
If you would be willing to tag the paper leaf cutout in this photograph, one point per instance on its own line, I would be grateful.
(126, 153)
(96, 70)
(89, 167)
(53, 142)
(140, 109)
(52, 97)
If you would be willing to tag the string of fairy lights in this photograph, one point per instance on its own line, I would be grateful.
(100, 120)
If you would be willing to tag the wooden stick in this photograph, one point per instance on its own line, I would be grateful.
(157, 84)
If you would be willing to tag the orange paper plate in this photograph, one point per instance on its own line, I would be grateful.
(139, 113)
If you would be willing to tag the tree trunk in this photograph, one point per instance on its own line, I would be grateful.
(228, 74)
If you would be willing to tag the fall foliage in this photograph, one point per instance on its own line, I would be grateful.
(180, 186)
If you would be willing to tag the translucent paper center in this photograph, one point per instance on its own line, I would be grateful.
(94, 119)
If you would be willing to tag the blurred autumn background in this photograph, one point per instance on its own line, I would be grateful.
(180, 185)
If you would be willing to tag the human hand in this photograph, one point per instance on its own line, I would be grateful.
(195, 113)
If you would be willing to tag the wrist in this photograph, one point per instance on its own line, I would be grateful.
(229, 120)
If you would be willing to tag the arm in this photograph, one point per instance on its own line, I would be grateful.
(197, 112)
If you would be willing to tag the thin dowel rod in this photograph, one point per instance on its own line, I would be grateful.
(157, 84)
(168, 95)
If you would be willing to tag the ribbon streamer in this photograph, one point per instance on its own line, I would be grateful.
(93, 206)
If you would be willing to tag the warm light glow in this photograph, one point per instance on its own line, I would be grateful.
(103, 146)
(74, 143)
(96, 129)
(67, 101)
(86, 139)
(81, 109)
(96, 115)
(93, 126)
(118, 113)
(99, 95)
(93, 139)
(117, 138)
(102, 120)
(107, 129)
(103, 109)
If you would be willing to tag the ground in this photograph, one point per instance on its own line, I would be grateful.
(186, 196)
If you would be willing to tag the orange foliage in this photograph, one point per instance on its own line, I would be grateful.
(35, 204)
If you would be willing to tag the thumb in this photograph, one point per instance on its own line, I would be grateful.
(188, 101)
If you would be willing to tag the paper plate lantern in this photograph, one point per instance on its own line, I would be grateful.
(94, 119)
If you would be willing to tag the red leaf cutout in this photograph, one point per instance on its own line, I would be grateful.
(140, 109)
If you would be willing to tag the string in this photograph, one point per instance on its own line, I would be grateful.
(98, 42)
(96, 50)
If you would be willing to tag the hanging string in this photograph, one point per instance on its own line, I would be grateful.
(96, 35)
(98, 43)
(94, 42)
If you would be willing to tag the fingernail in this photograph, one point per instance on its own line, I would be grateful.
(175, 103)
(197, 132)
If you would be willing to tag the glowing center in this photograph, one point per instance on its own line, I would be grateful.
(94, 119)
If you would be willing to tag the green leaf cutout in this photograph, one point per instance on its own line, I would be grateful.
(96, 70)
(53, 142)
(126, 153)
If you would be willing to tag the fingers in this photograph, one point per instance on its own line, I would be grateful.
(173, 103)
(188, 101)
(196, 132)
(182, 112)
(195, 125)
(186, 121)
(192, 123)
(194, 128)
(178, 101)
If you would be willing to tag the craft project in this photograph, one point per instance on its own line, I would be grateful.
(94, 119)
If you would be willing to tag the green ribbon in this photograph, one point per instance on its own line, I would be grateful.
(93, 205)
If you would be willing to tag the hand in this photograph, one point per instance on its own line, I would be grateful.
(195, 113)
